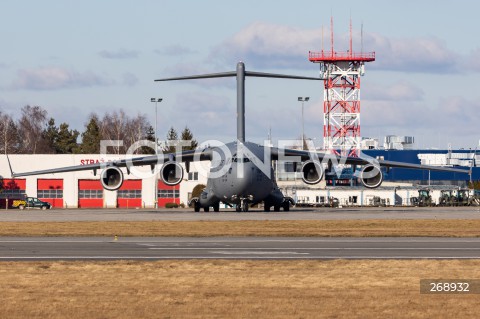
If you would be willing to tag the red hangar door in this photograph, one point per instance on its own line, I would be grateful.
(167, 194)
(51, 190)
(12, 188)
(130, 194)
(90, 193)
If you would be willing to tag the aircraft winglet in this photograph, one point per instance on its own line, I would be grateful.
(10, 166)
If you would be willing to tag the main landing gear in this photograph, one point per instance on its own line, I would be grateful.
(216, 207)
(276, 208)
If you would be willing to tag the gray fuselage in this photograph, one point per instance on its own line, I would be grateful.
(241, 172)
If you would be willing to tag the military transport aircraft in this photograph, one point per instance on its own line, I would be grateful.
(241, 172)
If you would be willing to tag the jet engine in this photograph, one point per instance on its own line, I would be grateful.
(171, 173)
(312, 172)
(112, 178)
(371, 176)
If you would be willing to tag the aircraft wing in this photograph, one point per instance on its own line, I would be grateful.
(152, 160)
(290, 154)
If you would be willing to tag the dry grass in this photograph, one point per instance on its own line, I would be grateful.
(233, 289)
(345, 228)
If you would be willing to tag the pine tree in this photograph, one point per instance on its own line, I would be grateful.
(172, 140)
(188, 136)
(67, 140)
(50, 136)
(91, 137)
(149, 136)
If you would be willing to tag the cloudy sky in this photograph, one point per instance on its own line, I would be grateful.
(75, 58)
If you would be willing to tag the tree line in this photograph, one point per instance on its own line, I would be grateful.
(37, 133)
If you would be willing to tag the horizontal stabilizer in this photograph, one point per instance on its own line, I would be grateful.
(280, 76)
(200, 76)
(234, 73)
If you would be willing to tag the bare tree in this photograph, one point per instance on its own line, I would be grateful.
(9, 139)
(112, 127)
(30, 127)
(136, 130)
(117, 125)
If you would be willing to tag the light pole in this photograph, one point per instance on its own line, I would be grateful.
(156, 100)
(303, 99)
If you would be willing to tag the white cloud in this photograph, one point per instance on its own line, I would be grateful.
(201, 103)
(186, 69)
(129, 79)
(453, 119)
(472, 62)
(419, 54)
(175, 50)
(54, 78)
(400, 91)
(457, 114)
(269, 45)
(119, 54)
(203, 112)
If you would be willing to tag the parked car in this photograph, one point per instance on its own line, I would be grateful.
(33, 202)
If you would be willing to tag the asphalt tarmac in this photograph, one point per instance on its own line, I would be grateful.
(351, 213)
(61, 248)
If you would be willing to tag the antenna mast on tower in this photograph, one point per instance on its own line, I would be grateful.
(342, 71)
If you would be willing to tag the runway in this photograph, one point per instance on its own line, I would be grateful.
(139, 248)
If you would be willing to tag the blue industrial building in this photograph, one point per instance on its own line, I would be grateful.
(457, 158)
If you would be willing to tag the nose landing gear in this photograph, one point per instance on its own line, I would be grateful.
(243, 206)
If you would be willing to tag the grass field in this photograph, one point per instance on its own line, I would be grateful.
(233, 289)
(329, 228)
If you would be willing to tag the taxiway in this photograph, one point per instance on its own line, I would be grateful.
(186, 214)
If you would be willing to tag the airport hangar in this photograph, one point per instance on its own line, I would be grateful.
(83, 189)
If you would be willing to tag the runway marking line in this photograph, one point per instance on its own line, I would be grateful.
(246, 252)
(312, 248)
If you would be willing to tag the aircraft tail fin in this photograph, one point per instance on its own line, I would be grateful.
(240, 74)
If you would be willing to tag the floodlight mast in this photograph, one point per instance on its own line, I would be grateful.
(240, 73)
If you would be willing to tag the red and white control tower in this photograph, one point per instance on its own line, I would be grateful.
(342, 71)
